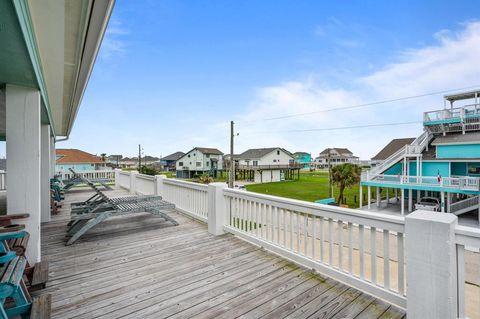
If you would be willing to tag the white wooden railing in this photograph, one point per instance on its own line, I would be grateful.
(364, 250)
(104, 175)
(349, 245)
(455, 113)
(464, 182)
(3, 180)
(467, 239)
(191, 198)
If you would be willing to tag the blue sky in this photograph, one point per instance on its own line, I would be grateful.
(171, 74)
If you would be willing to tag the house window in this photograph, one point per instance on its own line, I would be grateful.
(199, 164)
(180, 163)
(274, 160)
(188, 155)
(255, 163)
(208, 163)
(208, 155)
(190, 163)
(278, 152)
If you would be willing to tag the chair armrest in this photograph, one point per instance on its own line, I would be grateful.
(13, 216)
(12, 235)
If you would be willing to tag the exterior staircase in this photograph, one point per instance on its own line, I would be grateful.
(414, 149)
(464, 206)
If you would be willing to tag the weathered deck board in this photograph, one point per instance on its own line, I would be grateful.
(142, 267)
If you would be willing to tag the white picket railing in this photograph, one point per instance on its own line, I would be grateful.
(464, 182)
(104, 175)
(467, 238)
(349, 245)
(191, 198)
(144, 184)
(123, 179)
(364, 250)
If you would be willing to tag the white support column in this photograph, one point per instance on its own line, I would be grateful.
(117, 178)
(449, 201)
(133, 180)
(360, 199)
(442, 201)
(45, 172)
(410, 200)
(23, 161)
(431, 265)
(378, 196)
(369, 196)
(402, 201)
(217, 216)
(53, 156)
(159, 185)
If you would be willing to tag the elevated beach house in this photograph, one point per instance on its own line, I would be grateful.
(168, 162)
(335, 156)
(442, 163)
(199, 161)
(302, 158)
(265, 165)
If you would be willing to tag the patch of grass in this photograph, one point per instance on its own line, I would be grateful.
(310, 187)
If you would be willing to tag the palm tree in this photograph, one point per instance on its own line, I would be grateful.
(345, 175)
(103, 156)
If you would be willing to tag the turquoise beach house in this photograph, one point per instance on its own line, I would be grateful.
(443, 162)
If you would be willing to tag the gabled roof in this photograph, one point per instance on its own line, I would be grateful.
(392, 147)
(74, 156)
(173, 157)
(341, 151)
(206, 150)
(254, 153)
(301, 154)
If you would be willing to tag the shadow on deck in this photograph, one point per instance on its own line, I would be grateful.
(142, 267)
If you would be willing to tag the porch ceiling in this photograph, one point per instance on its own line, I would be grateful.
(51, 45)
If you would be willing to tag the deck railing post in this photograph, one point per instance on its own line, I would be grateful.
(216, 208)
(159, 185)
(117, 178)
(431, 265)
(133, 180)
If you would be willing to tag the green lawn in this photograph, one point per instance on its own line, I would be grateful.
(310, 187)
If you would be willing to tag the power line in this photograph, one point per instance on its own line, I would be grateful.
(338, 128)
(331, 109)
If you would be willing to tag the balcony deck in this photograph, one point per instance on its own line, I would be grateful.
(140, 266)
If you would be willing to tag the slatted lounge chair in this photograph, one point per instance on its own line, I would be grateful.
(78, 179)
(14, 239)
(84, 220)
(15, 299)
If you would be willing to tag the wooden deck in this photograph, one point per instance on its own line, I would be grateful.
(142, 267)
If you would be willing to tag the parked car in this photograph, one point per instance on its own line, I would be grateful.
(428, 203)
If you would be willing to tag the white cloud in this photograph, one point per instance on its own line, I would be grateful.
(451, 63)
(113, 43)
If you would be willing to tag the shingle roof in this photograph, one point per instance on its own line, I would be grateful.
(392, 147)
(173, 157)
(454, 138)
(341, 151)
(260, 152)
(73, 156)
(206, 150)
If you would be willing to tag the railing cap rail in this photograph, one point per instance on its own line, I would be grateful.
(395, 223)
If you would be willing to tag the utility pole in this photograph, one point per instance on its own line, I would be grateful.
(139, 157)
(231, 175)
(330, 189)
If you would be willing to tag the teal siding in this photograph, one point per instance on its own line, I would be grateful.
(433, 168)
(412, 168)
(394, 170)
(458, 151)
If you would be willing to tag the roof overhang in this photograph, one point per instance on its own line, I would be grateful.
(462, 96)
(62, 39)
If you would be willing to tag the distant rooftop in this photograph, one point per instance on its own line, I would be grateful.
(392, 147)
(254, 153)
(173, 157)
(75, 156)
